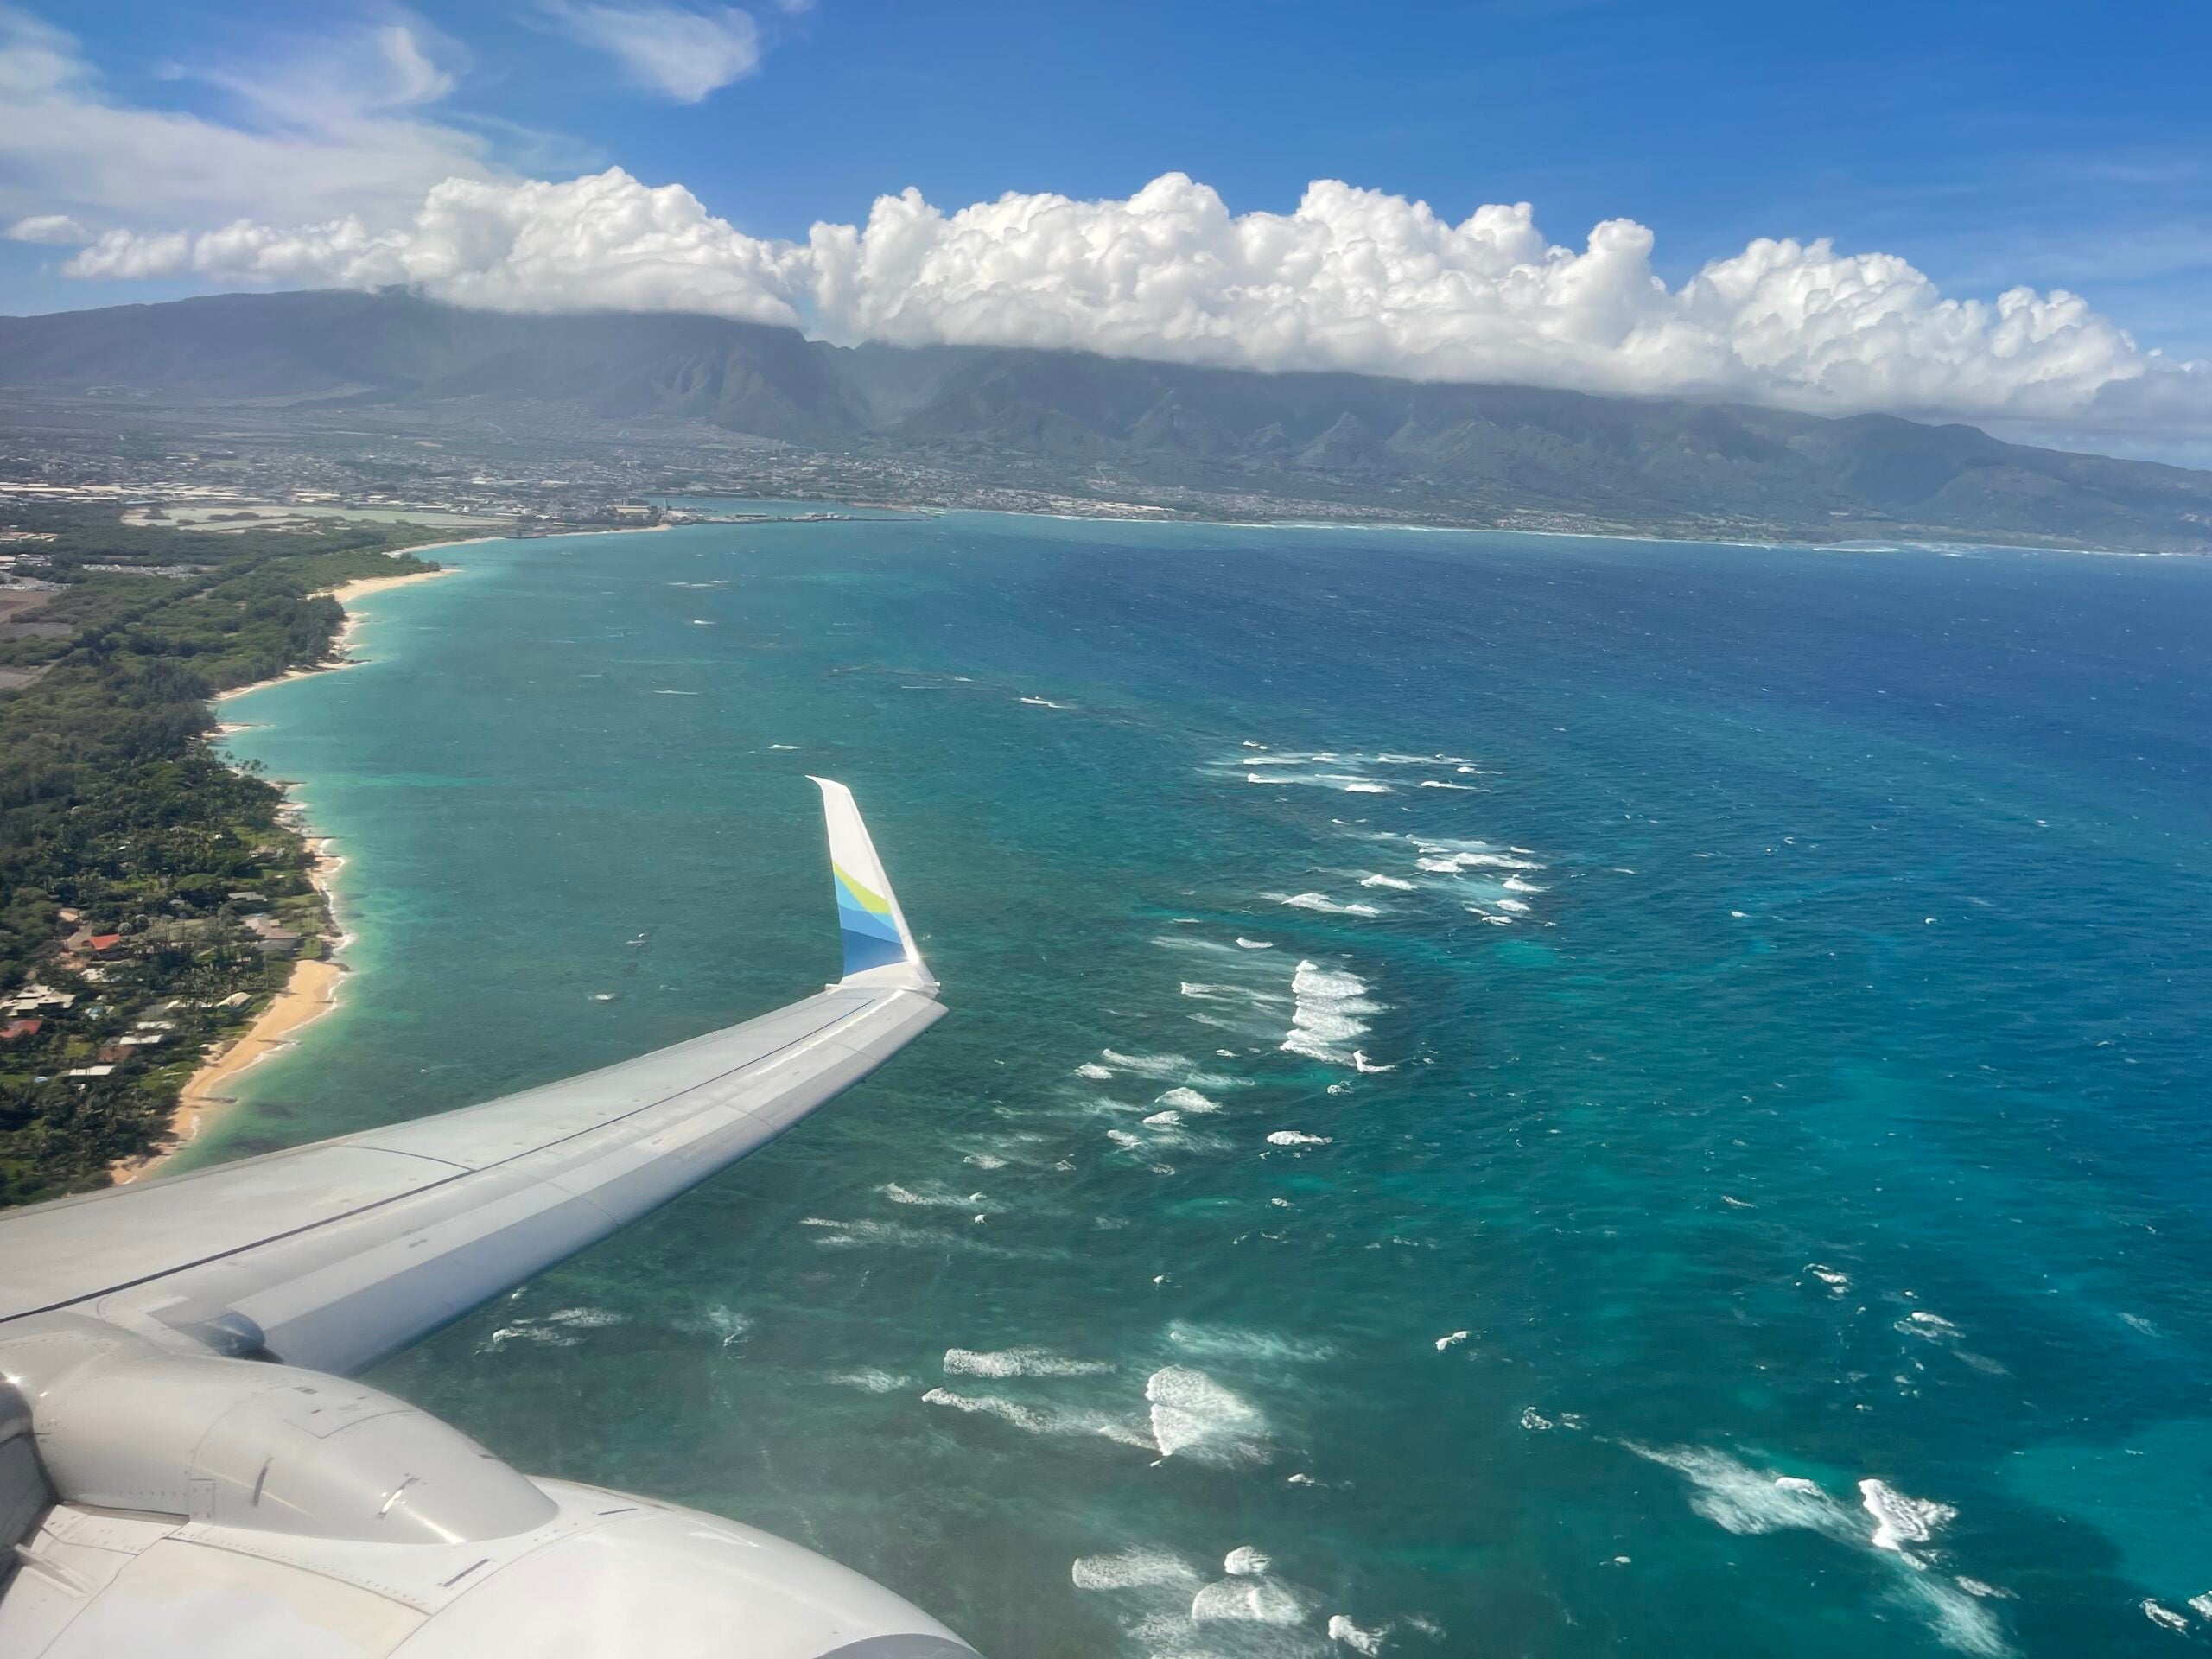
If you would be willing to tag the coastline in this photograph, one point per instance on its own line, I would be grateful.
(311, 990)
(308, 994)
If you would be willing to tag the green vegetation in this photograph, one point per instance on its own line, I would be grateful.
(116, 819)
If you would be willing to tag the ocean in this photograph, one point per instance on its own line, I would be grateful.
(1505, 1096)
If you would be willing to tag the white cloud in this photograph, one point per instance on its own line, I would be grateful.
(57, 228)
(603, 240)
(320, 127)
(1353, 280)
(681, 53)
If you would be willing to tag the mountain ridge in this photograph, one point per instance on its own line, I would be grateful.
(1396, 447)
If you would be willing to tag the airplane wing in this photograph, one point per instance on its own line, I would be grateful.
(334, 1255)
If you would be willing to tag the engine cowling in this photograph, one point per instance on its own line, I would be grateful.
(271, 1448)
(197, 1506)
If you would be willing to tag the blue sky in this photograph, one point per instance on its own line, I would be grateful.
(2049, 145)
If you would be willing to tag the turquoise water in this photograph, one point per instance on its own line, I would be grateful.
(1745, 1016)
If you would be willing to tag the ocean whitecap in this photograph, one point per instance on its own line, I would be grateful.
(1019, 1362)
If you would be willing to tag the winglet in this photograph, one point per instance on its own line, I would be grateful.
(878, 947)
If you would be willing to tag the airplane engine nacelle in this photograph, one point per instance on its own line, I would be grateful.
(271, 1448)
(201, 1506)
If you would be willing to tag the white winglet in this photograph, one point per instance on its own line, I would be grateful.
(878, 946)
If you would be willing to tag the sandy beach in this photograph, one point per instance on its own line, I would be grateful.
(361, 587)
(311, 989)
(310, 993)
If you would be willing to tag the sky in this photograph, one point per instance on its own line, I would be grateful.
(2001, 213)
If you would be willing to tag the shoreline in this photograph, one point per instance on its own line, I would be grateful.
(360, 588)
(311, 990)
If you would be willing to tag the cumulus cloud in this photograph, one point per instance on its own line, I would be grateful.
(1353, 280)
(603, 241)
(675, 52)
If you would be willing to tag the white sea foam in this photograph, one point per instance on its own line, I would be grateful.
(1960, 1622)
(871, 1380)
(1200, 991)
(1245, 1561)
(1167, 1119)
(1043, 702)
(586, 1318)
(1898, 1520)
(1183, 1099)
(1359, 1641)
(1326, 1014)
(1296, 1138)
(985, 1161)
(1243, 944)
(1350, 782)
(1452, 1340)
(1470, 856)
(930, 1194)
(1837, 1280)
(1036, 1419)
(1438, 783)
(547, 1336)
(1249, 1346)
(1147, 1065)
(1091, 1069)
(1928, 1327)
(1191, 942)
(726, 1326)
(890, 1235)
(1392, 882)
(1194, 1416)
(2201, 1605)
(1743, 1500)
(1019, 1362)
(1252, 1601)
(1132, 1568)
(1322, 903)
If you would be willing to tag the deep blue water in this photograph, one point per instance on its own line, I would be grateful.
(1750, 1007)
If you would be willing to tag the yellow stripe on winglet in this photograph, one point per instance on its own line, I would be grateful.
(872, 902)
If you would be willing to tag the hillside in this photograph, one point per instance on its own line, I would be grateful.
(1423, 450)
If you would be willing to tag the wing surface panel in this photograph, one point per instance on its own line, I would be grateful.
(337, 1254)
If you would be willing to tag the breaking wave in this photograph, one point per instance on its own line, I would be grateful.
(1326, 1018)
(1324, 904)
(1196, 1417)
